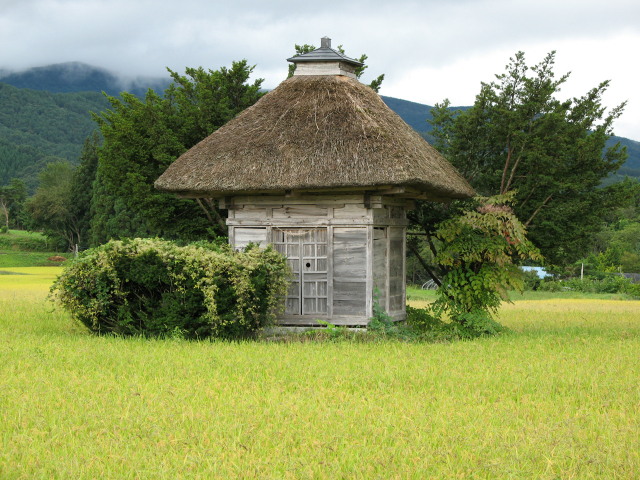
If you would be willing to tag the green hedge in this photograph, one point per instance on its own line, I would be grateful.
(153, 287)
(25, 242)
(608, 284)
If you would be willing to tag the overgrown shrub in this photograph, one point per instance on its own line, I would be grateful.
(153, 287)
(424, 322)
(531, 280)
(475, 260)
(428, 324)
(551, 286)
(605, 284)
(26, 243)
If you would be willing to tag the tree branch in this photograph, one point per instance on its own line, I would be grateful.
(528, 197)
(432, 247)
(219, 219)
(537, 210)
(206, 212)
(6, 211)
(424, 264)
(506, 166)
(513, 172)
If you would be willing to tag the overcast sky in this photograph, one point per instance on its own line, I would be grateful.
(428, 50)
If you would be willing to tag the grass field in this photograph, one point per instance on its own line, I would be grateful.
(10, 259)
(558, 397)
(19, 248)
(419, 297)
(21, 240)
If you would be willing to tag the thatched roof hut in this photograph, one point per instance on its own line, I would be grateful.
(315, 132)
(322, 169)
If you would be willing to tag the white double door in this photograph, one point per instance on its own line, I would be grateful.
(306, 251)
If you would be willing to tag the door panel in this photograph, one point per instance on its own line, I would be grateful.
(349, 271)
(309, 289)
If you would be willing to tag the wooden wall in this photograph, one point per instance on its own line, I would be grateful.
(341, 247)
(350, 271)
(381, 265)
(245, 235)
(397, 299)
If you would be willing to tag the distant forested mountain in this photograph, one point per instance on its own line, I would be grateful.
(75, 77)
(37, 128)
(417, 114)
(45, 116)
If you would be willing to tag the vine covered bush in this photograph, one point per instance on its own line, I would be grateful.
(153, 287)
(476, 261)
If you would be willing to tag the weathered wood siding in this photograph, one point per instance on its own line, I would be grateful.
(245, 235)
(349, 271)
(299, 212)
(396, 270)
(249, 212)
(325, 68)
(380, 265)
(341, 248)
(350, 211)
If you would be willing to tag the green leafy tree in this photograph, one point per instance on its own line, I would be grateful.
(620, 235)
(302, 49)
(142, 138)
(538, 162)
(111, 218)
(81, 191)
(12, 198)
(518, 137)
(50, 209)
(475, 254)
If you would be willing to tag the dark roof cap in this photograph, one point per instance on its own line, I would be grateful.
(324, 54)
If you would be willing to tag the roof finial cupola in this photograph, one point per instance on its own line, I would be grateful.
(325, 61)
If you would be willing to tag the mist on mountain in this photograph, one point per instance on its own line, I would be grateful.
(45, 116)
(73, 77)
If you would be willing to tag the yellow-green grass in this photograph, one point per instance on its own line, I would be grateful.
(16, 282)
(419, 298)
(10, 259)
(23, 233)
(559, 397)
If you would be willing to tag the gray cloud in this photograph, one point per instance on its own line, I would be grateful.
(142, 37)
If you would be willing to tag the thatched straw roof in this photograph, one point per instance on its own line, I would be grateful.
(314, 132)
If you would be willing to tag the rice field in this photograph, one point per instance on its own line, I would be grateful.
(557, 398)
(12, 259)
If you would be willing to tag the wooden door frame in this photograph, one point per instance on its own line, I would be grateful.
(301, 273)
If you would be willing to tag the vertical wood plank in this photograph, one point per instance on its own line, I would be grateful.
(388, 272)
(330, 269)
(396, 269)
(369, 270)
(349, 271)
(245, 235)
(404, 269)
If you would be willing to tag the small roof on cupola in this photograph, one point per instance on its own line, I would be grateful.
(324, 54)
(325, 61)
